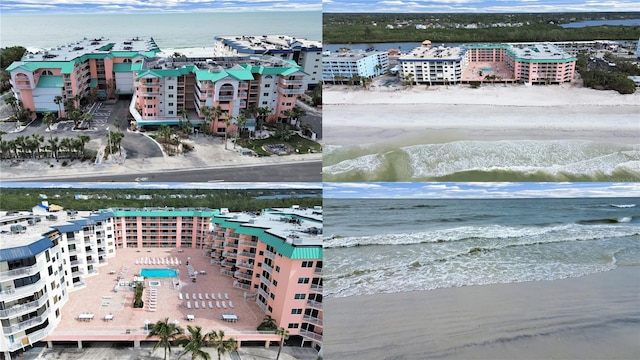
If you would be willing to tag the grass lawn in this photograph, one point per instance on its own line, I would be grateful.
(297, 142)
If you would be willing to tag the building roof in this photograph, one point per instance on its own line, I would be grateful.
(351, 55)
(23, 252)
(264, 44)
(440, 53)
(171, 212)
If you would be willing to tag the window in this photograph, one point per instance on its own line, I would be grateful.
(149, 89)
(296, 311)
(277, 268)
(267, 85)
(171, 112)
(265, 102)
(275, 282)
(307, 264)
(265, 94)
(170, 95)
(170, 104)
(303, 280)
(272, 296)
(170, 87)
(300, 296)
(292, 326)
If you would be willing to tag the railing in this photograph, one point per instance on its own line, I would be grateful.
(263, 293)
(231, 245)
(265, 280)
(291, 82)
(229, 254)
(242, 275)
(312, 320)
(26, 324)
(291, 91)
(248, 243)
(269, 254)
(17, 309)
(34, 337)
(76, 262)
(317, 288)
(247, 254)
(314, 304)
(240, 285)
(317, 271)
(22, 272)
(267, 267)
(261, 305)
(22, 291)
(311, 335)
(245, 265)
(226, 272)
(225, 97)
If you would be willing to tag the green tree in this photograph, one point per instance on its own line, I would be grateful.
(166, 332)
(47, 120)
(84, 139)
(193, 342)
(58, 100)
(284, 335)
(241, 121)
(222, 345)
(54, 145)
(208, 116)
(268, 323)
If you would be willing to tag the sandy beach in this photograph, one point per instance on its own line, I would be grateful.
(492, 112)
(590, 317)
(493, 133)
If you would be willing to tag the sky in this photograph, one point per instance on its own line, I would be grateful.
(478, 6)
(132, 6)
(478, 190)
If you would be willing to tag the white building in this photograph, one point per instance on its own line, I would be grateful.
(428, 65)
(343, 66)
(306, 53)
(42, 259)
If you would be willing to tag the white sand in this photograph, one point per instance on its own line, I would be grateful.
(591, 317)
(491, 112)
(209, 152)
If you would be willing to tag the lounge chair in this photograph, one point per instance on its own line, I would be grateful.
(226, 296)
(194, 296)
(219, 296)
(224, 304)
(213, 296)
(188, 304)
(186, 296)
(204, 306)
(196, 305)
(230, 304)
(206, 296)
(218, 304)
(210, 305)
(200, 296)
(180, 296)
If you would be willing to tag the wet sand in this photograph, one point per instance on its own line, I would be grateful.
(592, 317)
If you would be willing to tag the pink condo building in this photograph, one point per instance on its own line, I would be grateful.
(166, 88)
(277, 257)
(54, 264)
(46, 80)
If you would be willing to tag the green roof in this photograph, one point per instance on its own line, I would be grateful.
(127, 54)
(122, 67)
(65, 66)
(50, 81)
(282, 247)
(240, 74)
(136, 66)
(165, 72)
(93, 83)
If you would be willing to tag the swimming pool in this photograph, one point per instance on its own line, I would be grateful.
(486, 69)
(158, 273)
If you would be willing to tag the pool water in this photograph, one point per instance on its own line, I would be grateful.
(486, 69)
(158, 273)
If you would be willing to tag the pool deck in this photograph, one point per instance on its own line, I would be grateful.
(470, 73)
(128, 324)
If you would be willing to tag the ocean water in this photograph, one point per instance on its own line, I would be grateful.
(390, 246)
(513, 160)
(170, 31)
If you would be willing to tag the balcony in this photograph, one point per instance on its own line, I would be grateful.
(265, 280)
(231, 245)
(226, 97)
(312, 320)
(269, 254)
(226, 272)
(242, 275)
(287, 82)
(316, 288)
(10, 293)
(245, 265)
(78, 272)
(317, 271)
(76, 262)
(23, 308)
(248, 243)
(263, 293)
(21, 272)
(26, 324)
(291, 91)
(240, 285)
(314, 304)
(229, 254)
(247, 254)
(311, 335)
(267, 267)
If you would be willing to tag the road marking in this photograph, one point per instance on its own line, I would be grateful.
(139, 179)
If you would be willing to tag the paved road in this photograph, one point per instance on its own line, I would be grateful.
(292, 172)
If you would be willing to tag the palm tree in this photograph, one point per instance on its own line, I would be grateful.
(184, 114)
(2, 133)
(84, 139)
(298, 112)
(47, 120)
(14, 105)
(58, 100)
(218, 342)
(166, 332)
(5, 148)
(227, 123)
(289, 113)
(193, 342)
(117, 137)
(241, 121)
(284, 335)
(216, 113)
(66, 145)
(54, 146)
(88, 118)
(208, 115)
(263, 113)
(36, 140)
(268, 323)
(165, 134)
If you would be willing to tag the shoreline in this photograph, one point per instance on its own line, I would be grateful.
(594, 316)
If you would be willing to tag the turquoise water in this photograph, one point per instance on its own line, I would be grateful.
(486, 69)
(158, 273)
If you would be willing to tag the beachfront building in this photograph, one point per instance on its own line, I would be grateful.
(277, 257)
(45, 81)
(532, 63)
(42, 259)
(46, 254)
(306, 53)
(433, 65)
(340, 67)
(167, 88)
